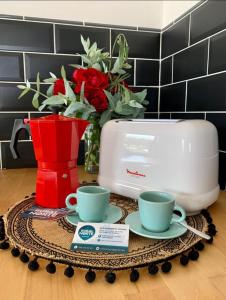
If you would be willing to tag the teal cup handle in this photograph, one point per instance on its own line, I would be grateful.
(68, 204)
(92, 203)
(177, 218)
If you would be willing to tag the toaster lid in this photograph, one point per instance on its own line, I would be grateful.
(159, 121)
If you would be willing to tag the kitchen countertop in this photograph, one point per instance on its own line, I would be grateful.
(204, 279)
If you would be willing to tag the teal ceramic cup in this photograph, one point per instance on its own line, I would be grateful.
(92, 202)
(156, 211)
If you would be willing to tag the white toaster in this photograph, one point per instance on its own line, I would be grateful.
(176, 156)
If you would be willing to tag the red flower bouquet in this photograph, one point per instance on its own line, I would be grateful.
(97, 90)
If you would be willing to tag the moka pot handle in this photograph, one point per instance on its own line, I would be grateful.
(19, 124)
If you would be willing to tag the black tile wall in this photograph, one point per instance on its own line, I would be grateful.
(164, 116)
(190, 63)
(150, 116)
(147, 72)
(217, 57)
(201, 46)
(175, 38)
(173, 97)
(11, 66)
(68, 38)
(207, 94)
(166, 71)
(188, 116)
(141, 44)
(207, 20)
(53, 48)
(222, 170)
(6, 125)
(38, 115)
(219, 120)
(26, 36)
(26, 152)
(9, 98)
(44, 63)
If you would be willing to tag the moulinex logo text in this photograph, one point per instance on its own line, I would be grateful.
(135, 173)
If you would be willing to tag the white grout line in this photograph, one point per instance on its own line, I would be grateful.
(54, 38)
(81, 25)
(140, 58)
(208, 54)
(134, 72)
(206, 38)
(194, 112)
(160, 71)
(194, 78)
(66, 54)
(172, 67)
(25, 76)
(41, 53)
(222, 151)
(22, 112)
(205, 116)
(148, 86)
(0, 156)
(19, 82)
(110, 44)
(189, 30)
(190, 12)
(186, 95)
(21, 141)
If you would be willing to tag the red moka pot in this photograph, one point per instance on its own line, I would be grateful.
(56, 141)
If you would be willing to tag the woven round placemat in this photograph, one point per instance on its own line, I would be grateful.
(51, 239)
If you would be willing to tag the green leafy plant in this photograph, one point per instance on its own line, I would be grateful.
(97, 92)
(63, 96)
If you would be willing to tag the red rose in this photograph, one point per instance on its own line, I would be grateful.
(59, 87)
(93, 79)
(99, 100)
(95, 82)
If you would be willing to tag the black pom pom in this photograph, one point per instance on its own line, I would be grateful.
(69, 272)
(51, 268)
(153, 269)
(184, 260)
(205, 213)
(210, 241)
(33, 265)
(24, 258)
(4, 245)
(199, 246)
(90, 276)
(211, 226)
(212, 231)
(209, 219)
(2, 236)
(166, 267)
(193, 255)
(110, 277)
(134, 275)
(15, 252)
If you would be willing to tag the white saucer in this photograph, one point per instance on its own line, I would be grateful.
(113, 214)
(133, 220)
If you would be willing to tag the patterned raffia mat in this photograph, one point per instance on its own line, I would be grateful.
(52, 239)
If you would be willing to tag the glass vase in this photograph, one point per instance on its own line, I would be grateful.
(92, 148)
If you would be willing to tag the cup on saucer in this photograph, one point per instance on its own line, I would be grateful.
(92, 203)
(156, 211)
